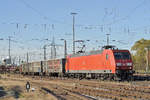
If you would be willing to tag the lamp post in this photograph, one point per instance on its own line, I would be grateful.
(73, 30)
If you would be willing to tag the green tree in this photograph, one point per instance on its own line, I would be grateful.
(139, 54)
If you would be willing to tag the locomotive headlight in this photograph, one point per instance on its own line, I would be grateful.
(129, 64)
(118, 64)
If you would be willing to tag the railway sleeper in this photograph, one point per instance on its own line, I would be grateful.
(52, 93)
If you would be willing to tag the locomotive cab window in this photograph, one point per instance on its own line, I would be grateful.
(107, 56)
(122, 55)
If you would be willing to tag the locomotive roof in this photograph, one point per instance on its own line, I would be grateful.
(93, 52)
(87, 53)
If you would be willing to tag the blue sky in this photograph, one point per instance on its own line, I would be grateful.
(126, 20)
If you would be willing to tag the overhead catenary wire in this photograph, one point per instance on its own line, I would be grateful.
(41, 14)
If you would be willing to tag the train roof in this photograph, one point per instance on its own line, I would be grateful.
(87, 53)
(107, 47)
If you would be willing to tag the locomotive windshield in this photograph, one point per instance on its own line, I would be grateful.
(122, 55)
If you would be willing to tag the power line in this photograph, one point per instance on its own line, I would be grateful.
(40, 13)
(125, 17)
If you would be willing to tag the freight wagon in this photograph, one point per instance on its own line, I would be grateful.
(31, 68)
(56, 67)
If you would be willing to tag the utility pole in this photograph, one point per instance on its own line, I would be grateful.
(107, 39)
(44, 52)
(9, 38)
(53, 49)
(19, 60)
(28, 62)
(65, 47)
(45, 63)
(73, 30)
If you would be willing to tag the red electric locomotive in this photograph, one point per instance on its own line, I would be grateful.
(106, 63)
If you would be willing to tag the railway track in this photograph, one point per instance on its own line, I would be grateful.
(119, 91)
(61, 92)
(52, 93)
(66, 93)
(93, 89)
(84, 96)
(103, 90)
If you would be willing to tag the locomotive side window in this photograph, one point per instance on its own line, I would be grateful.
(122, 55)
(107, 56)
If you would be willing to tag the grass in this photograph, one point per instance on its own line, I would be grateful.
(142, 71)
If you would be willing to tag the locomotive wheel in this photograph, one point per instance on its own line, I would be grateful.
(116, 78)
